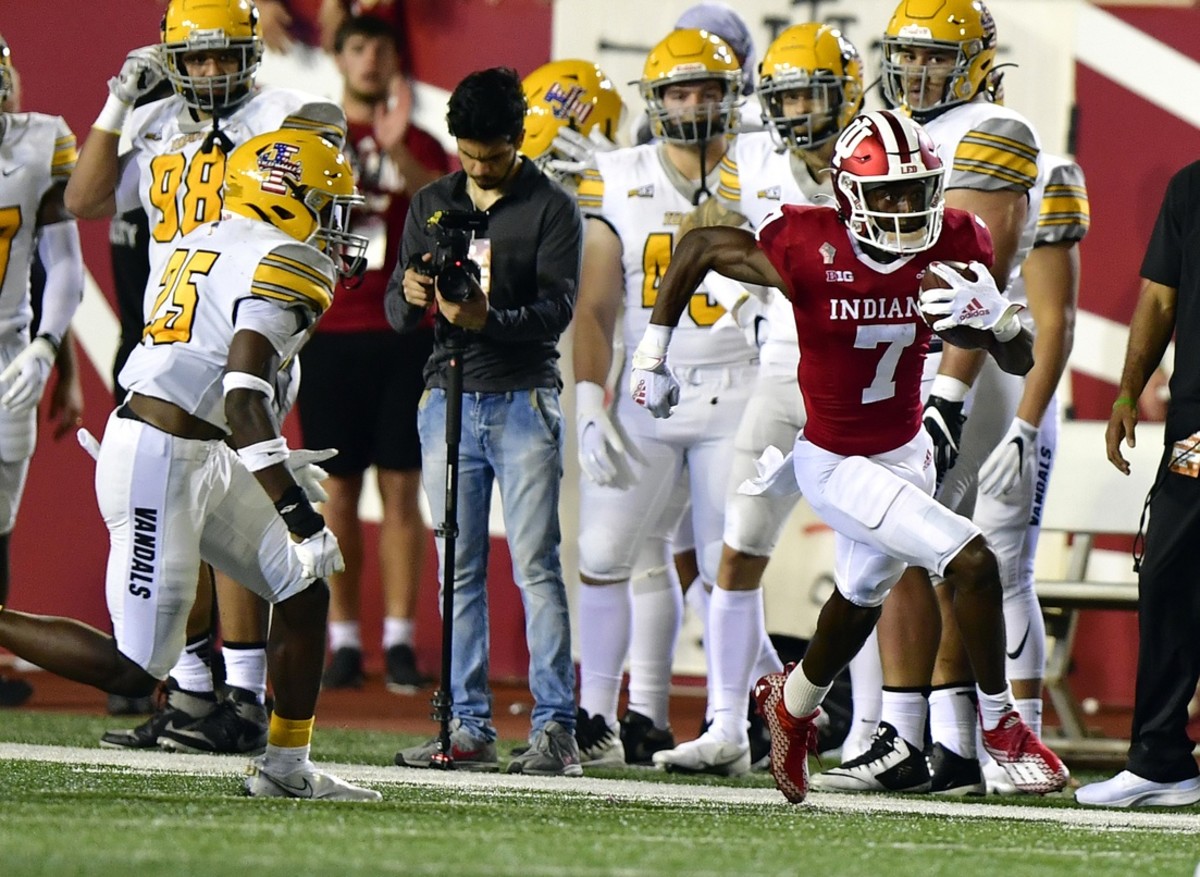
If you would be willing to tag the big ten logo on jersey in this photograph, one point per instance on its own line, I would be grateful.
(656, 256)
(200, 180)
(567, 104)
(480, 252)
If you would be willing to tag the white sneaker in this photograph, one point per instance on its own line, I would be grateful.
(890, 765)
(262, 781)
(1127, 789)
(706, 754)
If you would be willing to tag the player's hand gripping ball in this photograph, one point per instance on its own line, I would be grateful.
(960, 336)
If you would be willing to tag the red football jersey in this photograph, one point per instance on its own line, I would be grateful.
(862, 338)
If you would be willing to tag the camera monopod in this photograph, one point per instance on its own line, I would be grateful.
(448, 530)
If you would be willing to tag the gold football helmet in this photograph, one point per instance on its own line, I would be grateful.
(817, 62)
(962, 30)
(687, 56)
(303, 185)
(223, 27)
(570, 93)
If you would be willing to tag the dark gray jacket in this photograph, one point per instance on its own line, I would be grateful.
(536, 236)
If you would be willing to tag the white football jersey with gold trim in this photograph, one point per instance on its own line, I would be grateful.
(197, 292)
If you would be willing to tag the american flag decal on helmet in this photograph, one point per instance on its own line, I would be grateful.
(277, 162)
(568, 103)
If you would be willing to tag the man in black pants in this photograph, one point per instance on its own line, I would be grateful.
(506, 322)
(1160, 769)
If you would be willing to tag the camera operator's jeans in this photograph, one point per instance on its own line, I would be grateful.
(516, 440)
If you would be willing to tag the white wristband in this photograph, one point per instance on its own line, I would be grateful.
(261, 455)
(1009, 326)
(949, 388)
(656, 341)
(112, 117)
(245, 381)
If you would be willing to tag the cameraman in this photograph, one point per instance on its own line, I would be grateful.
(507, 326)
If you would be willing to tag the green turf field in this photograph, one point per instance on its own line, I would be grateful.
(86, 811)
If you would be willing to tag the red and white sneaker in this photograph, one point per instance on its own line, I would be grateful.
(792, 738)
(1029, 763)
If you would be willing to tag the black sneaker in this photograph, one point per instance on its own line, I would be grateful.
(953, 775)
(179, 709)
(599, 743)
(238, 726)
(641, 739)
(403, 677)
(14, 692)
(345, 670)
(892, 764)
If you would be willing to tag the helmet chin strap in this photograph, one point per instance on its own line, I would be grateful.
(217, 137)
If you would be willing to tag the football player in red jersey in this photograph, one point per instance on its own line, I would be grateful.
(864, 461)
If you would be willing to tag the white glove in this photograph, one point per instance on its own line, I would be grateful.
(1009, 463)
(651, 383)
(577, 150)
(319, 555)
(976, 304)
(602, 454)
(143, 69)
(303, 466)
(88, 442)
(26, 376)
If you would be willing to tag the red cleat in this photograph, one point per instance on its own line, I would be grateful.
(1029, 763)
(792, 738)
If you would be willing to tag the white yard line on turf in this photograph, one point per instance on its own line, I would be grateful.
(631, 790)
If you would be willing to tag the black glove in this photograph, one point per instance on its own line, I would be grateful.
(944, 422)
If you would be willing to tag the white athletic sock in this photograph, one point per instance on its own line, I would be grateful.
(246, 667)
(993, 707)
(768, 660)
(905, 710)
(735, 625)
(192, 672)
(286, 757)
(866, 686)
(1030, 709)
(344, 635)
(603, 645)
(397, 632)
(952, 719)
(801, 696)
(657, 616)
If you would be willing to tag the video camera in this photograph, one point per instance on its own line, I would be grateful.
(451, 264)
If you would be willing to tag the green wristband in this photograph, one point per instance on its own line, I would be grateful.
(1124, 401)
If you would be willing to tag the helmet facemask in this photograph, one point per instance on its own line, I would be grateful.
(222, 92)
(901, 81)
(804, 131)
(693, 124)
(332, 234)
(902, 233)
(7, 85)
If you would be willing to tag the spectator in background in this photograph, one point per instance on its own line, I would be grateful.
(362, 381)
(332, 13)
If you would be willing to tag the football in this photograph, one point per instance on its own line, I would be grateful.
(959, 336)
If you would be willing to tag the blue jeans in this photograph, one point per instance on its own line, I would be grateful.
(516, 440)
